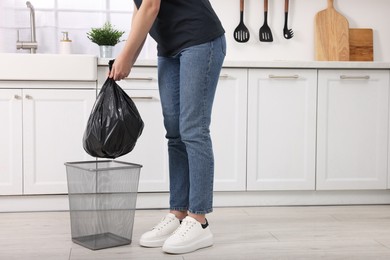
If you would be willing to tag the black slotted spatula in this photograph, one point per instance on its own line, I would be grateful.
(265, 33)
(241, 33)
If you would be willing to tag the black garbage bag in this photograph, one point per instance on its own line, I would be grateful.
(114, 124)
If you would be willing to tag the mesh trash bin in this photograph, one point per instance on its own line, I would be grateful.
(102, 200)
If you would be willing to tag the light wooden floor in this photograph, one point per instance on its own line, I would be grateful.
(326, 232)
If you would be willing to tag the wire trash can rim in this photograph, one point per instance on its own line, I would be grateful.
(125, 165)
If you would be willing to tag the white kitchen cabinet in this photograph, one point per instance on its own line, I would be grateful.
(49, 125)
(151, 148)
(11, 153)
(353, 114)
(228, 129)
(281, 129)
(53, 126)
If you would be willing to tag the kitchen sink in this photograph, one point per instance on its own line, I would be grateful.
(18, 66)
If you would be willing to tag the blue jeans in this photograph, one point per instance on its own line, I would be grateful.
(187, 84)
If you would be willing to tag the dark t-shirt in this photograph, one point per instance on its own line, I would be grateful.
(183, 23)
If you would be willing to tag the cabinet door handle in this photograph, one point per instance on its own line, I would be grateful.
(139, 78)
(283, 76)
(17, 97)
(355, 77)
(28, 97)
(224, 76)
(142, 98)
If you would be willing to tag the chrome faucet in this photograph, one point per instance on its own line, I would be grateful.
(32, 45)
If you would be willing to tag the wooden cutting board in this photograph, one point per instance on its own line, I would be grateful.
(331, 35)
(361, 44)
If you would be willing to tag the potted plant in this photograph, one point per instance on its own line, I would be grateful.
(106, 37)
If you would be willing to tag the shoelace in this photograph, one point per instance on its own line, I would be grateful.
(164, 221)
(185, 226)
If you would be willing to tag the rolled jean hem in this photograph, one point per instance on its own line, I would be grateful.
(200, 212)
(197, 212)
(179, 208)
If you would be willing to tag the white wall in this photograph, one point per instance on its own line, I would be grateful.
(373, 14)
(360, 14)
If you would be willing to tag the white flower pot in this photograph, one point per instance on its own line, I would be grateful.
(105, 51)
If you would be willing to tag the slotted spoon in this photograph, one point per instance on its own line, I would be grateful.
(241, 33)
(265, 32)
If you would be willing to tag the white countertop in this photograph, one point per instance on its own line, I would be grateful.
(280, 64)
(83, 67)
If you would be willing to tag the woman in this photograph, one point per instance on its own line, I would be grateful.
(191, 49)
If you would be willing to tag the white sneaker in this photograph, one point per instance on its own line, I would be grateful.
(190, 236)
(157, 236)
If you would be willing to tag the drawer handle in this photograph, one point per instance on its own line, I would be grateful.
(224, 76)
(28, 97)
(283, 77)
(142, 98)
(354, 77)
(17, 97)
(139, 78)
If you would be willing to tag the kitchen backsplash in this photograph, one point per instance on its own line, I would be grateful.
(77, 17)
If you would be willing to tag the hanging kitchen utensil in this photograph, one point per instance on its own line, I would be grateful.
(265, 32)
(331, 35)
(287, 33)
(241, 33)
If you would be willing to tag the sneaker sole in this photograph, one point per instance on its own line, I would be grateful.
(202, 243)
(153, 243)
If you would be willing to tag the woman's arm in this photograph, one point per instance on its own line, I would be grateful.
(142, 21)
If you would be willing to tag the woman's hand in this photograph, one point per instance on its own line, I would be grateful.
(121, 68)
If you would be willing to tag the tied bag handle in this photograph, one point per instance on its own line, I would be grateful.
(110, 63)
